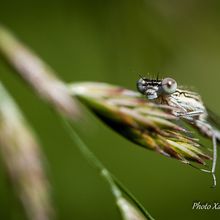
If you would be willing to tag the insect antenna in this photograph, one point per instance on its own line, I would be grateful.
(158, 76)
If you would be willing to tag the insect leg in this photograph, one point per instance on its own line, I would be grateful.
(193, 113)
(178, 106)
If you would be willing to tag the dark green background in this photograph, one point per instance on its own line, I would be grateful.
(112, 41)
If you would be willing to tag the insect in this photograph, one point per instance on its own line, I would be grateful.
(183, 104)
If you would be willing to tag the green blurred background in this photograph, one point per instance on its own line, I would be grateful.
(112, 41)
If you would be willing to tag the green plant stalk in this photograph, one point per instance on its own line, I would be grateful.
(116, 186)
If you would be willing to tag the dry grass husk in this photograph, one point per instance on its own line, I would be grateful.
(149, 125)
(23, 160)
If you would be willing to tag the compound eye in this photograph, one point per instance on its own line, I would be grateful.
(141, 86)
(169, 85)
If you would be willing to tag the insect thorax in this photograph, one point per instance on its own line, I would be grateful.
(184, 101)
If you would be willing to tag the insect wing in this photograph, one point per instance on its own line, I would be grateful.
(213, 118)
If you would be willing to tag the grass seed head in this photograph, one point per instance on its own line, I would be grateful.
(147, 124)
